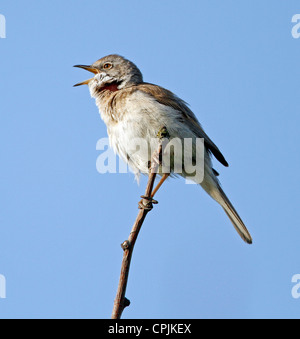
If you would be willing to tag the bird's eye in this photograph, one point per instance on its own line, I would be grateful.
(107, 65)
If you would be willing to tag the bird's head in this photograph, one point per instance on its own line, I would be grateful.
(112, 72)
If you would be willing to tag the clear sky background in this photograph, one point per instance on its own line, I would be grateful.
(62, 223)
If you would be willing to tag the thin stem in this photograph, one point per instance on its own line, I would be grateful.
(120, 301)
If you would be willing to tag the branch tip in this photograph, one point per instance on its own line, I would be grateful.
(163, 133)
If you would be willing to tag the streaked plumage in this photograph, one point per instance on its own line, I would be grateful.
(132, 109)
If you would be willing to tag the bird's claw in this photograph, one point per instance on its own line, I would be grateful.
(148, 206)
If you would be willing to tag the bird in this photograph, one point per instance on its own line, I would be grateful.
(132, 108)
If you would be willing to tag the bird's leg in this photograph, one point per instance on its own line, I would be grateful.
(162, 180)
(153, 165)
(150, 199)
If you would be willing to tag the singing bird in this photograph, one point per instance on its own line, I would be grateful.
(132, 108)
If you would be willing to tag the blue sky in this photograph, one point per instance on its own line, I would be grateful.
(237, 65)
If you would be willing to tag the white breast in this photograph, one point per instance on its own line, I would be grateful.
(134, 135)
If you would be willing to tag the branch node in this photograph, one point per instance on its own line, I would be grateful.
(126, 302)
(125, 245)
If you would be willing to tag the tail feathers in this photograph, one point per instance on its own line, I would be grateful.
(240, 227)
(234, 217)
(211, 185)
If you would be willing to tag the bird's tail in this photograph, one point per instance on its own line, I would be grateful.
(213, 188)
(235, 218)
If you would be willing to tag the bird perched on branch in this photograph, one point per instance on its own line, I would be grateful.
(132, 108)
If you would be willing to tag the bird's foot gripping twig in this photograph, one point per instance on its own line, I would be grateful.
(147, 203)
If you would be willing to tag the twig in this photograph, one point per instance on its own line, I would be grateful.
(145, 206)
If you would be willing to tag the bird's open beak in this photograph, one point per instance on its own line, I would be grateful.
(88, 68)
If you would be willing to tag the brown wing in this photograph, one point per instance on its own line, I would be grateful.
(166, 97)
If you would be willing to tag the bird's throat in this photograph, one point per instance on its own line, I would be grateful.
(113, 87)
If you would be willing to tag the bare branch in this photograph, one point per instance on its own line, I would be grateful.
(145, 206)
